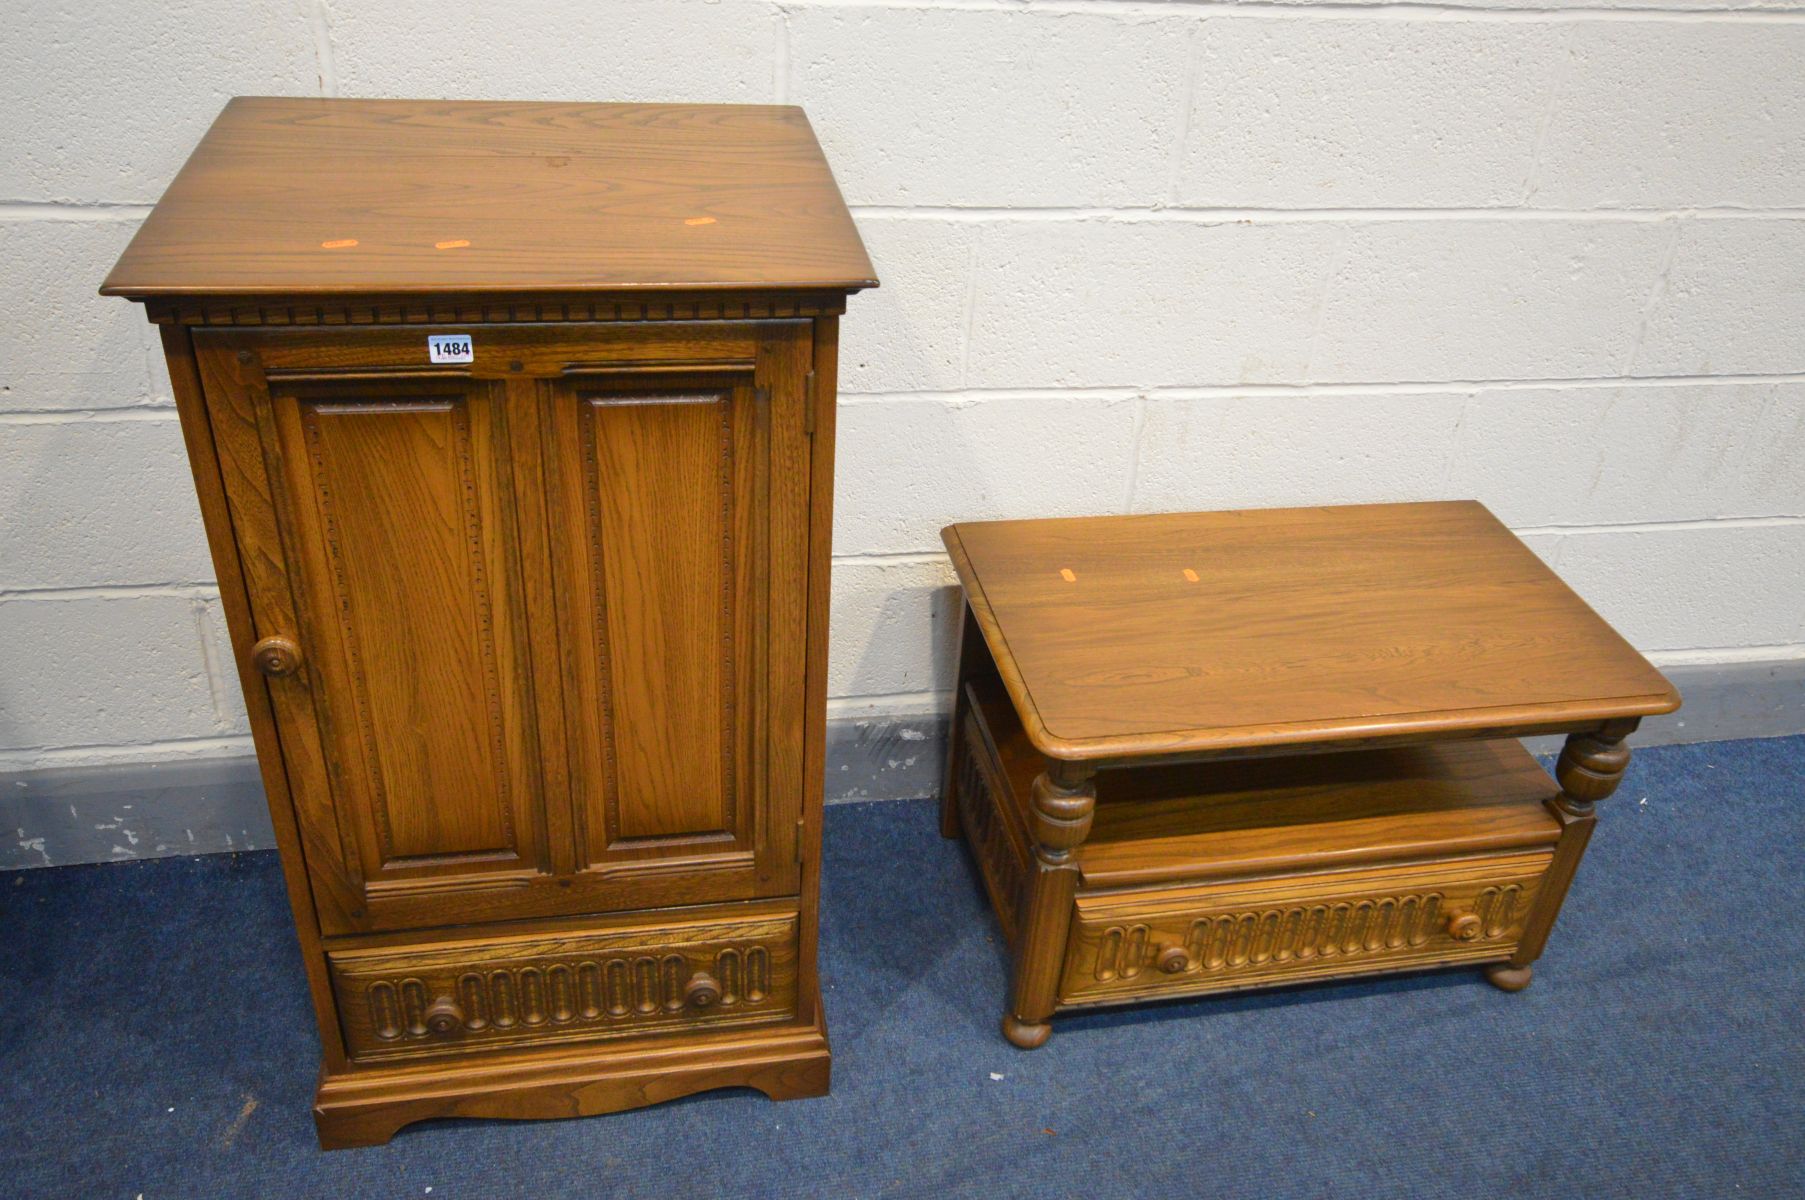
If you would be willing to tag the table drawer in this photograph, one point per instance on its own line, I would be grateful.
(524, 991)
(1127, 945)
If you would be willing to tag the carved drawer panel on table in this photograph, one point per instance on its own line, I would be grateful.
(402, 1002)
(1234, 935)
(996, 840)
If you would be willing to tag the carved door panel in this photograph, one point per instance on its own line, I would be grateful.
(532, 626)
(375, 519)
(678, 518)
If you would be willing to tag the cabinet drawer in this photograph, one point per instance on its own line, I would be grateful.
(1126, 945)
(523, 991)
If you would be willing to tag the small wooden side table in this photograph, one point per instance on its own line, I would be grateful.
(1199, 752)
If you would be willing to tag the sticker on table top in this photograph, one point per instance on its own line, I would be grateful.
(449, 348)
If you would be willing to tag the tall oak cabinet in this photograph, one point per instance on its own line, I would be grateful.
(512, 426)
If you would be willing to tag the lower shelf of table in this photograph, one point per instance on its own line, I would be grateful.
(1223, 876)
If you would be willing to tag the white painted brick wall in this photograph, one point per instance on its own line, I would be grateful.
(95, 671)
(1736, 574)
(941, 106)
(98, 501)
(553, 49)
(989, 460)
(61, 345)
(892, 624)
(909, 334)
(1335, 113)
(104, 98)
(1136, 256)
(1718, 118)
(1733, 300)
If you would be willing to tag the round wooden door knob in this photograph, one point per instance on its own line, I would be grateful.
(1173, 960)
(444, 1016)
(702, 991)
(276, 656)
(1463, 927)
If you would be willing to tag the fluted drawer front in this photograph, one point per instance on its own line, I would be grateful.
(402, 1002)
(1234, 935)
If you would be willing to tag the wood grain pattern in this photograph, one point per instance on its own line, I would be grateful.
(1061, 800)
(1251, 749)
(999, 844)
(533, 645)
(671, 552)
(513, 308)
(971, 669)
(821, 385)
(367, 1107)
(1236, 935)
(1304, 627)
(658, 471)
(204, 462)
(306, 197)
(569, 986)
(401, 532)
(1319, 812)
(394, 550)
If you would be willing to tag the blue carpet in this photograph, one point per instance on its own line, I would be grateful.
(155, 1041)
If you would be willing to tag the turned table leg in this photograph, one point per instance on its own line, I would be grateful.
(1060, 808)
(1590, 768)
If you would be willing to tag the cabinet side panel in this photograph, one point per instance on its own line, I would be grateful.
(203, 460)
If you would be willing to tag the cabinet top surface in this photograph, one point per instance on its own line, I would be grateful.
(324, 196)
(1196, 632)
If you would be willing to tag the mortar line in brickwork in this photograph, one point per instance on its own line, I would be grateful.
(961, 397)
(780, 57)
(319, 25)
(1694, 523)
(202, 590)
(1713, 655)
(1191, 214)
(108, 210)
(900, 558)
(93, 416)
(1175, 167)
(968, 304)
(72, 210)
(1432, 386)
(926, 557)
(221, 680)
(931, 700)
(38, 758)
(1657, 294)
(1402, 10)
(1135, 440)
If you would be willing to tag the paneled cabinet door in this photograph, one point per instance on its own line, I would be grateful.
(533, 626)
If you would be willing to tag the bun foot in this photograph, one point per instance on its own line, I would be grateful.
(1507, 977)
(1026, 1034)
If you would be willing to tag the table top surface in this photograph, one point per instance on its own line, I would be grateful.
(1199, 633)
(305, 196)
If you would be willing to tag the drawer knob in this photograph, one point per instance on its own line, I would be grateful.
(1463, 927)
(702, 991)
(276, 656)
(444, 1016)
(1173, 960)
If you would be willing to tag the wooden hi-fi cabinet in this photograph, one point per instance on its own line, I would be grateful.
(512, 426)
